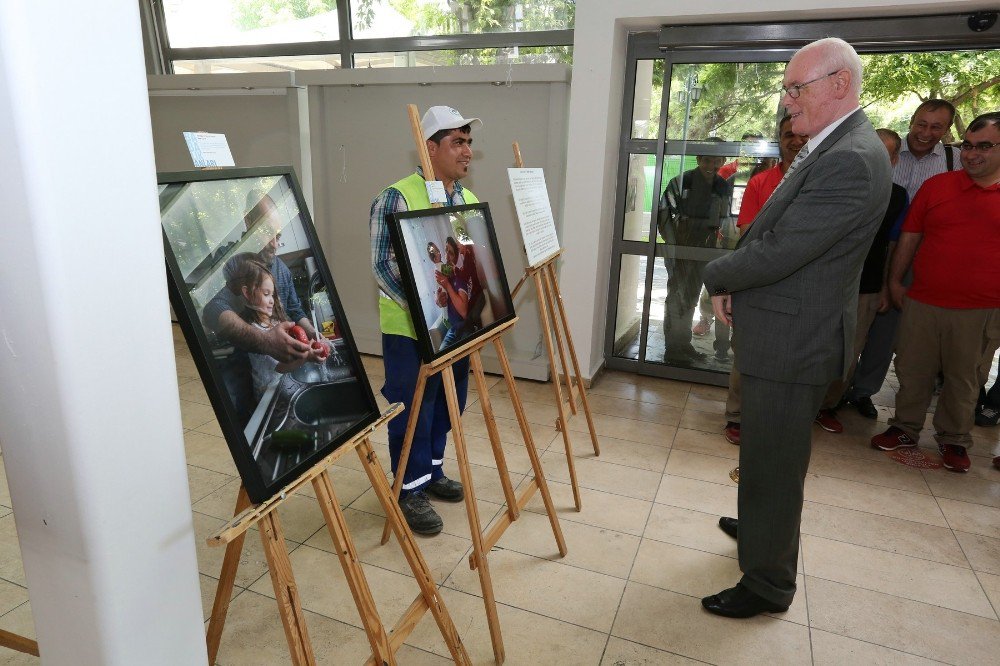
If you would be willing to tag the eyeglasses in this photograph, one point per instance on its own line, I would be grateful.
(981, 147)
(796, 90)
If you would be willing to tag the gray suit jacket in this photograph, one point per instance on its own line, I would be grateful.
(794, 275)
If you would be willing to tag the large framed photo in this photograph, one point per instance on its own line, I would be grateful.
(247, 277)
(452, 273)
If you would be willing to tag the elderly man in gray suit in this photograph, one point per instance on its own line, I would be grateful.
(790, 288)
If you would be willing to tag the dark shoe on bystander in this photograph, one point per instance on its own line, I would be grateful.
(419, 514)
(865, 407)
(954, 457)
(987, 417)
(827, 420)
(893, 439)
(445, 489)
(733, 433)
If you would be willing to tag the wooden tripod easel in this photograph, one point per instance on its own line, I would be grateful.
(481, 543)
(550, 301)
(384, 645)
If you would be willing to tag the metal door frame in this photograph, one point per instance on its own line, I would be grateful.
(696, 44)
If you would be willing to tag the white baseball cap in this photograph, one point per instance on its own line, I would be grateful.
(439, 118)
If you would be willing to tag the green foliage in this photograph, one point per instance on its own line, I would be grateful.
(896, 83)
(253, 14)
(473, 16)
(739, 98)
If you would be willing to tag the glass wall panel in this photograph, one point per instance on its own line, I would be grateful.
(387, 18)
(260, 64)
(506, 56)
(648, 98)
(723, 99)
(639, 196)
(193, 23)
(631, 292)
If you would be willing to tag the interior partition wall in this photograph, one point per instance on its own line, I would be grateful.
(700, 111)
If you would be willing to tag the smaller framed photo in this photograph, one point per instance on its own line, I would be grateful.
(453, 275)
(247, 278)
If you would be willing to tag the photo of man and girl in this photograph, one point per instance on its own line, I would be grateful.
(455, 274)
(248, 273)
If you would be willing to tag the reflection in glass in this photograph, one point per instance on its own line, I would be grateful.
(257, 64)
(723, 99)
(193, 23)
(695, 224)
(692, 339)
(386, 18)
(648, 98)
(628, 320)
(513, 55)
(639, 192)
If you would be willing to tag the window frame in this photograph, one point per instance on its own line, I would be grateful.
(347, 46)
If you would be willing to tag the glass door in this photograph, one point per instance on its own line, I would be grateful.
(690, 144)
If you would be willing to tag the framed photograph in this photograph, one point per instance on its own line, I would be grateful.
(453, 275)
(247, 276)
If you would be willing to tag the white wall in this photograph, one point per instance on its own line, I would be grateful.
(349, 137)
(595, 117)
(90, 417)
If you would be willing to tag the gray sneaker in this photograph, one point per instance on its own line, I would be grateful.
(445, 489)
(420, 516)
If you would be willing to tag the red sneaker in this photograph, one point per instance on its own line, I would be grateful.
(954, 457)
(702, 327)
(827, 420)
(893, 439)
(733, 433)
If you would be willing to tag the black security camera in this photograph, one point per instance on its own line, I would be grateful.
(982, 21)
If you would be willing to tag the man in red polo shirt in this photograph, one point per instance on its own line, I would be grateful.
(951, 313)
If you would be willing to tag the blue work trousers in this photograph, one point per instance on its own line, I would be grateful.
(402, 366)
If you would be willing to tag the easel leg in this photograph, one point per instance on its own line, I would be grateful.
(491, 427)
(285, 590)
(344, 545)
(485, 581)
(551, 274)
(543, 314)
(529, 444)
(418, 565)
(227, 578)
(404, 454)
(563, 356)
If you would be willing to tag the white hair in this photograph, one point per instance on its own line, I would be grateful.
(839, 55)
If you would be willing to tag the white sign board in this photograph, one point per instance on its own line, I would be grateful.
(531, 199)
(209, 150)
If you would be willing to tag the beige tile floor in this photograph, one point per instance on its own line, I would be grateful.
(897, 566)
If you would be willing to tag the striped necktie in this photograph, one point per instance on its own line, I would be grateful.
(799, 158)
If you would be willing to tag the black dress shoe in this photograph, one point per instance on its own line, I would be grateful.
(728, 525)
(740, 602)
(445, 489)
(865, 407)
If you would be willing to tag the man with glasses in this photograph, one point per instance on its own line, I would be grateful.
(791, 287)
(922, 155)
(951, 314)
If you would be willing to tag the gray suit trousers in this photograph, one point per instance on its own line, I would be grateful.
(775, 444)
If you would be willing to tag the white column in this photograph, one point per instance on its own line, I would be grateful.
(90, 418)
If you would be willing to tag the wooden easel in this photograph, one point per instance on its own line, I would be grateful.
(481, 543)
(550, 301)
(384, 645)
(18, 642)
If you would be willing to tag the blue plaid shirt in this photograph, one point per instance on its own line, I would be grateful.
(384, 264)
